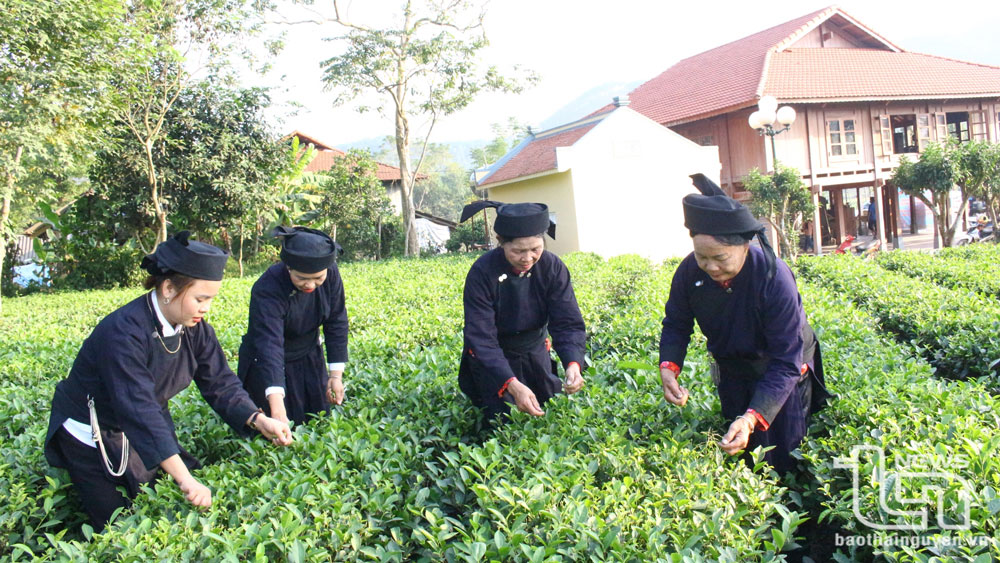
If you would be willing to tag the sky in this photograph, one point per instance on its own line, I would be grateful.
(575, 46)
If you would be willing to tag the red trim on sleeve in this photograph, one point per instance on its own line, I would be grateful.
(548, 344)
(761, 421)
(672, 367)
(504, 388)
(805, 368)
(575, 364)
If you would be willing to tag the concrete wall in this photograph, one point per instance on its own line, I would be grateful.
(554, 190)
(622, 189)
(629, 175)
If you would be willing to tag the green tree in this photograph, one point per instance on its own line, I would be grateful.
(468, 235)
(218, 160)
(978, 174)
(782, 199)
(149, 85)
(505, 137)
(354, 205)
(930, 179)
(443, 188)
(56, 60)
(426, 65)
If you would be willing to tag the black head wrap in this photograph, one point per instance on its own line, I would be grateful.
(712, 212)
(306, 250)
(515, 220)
(187, 257)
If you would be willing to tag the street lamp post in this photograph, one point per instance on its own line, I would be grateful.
(763, 120)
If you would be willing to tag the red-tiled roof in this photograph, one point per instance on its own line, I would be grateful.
(538, 155)
(717, 79)
(734, 75)
(325, 155)
(866, 74)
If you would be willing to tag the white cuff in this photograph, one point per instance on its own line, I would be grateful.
(275, 389)
(336, 366)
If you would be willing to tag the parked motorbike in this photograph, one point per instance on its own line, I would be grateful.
(864, 249)
(980, 232)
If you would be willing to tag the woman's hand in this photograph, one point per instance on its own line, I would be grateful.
(738, 436)
(672, 391)
(276, 402)
(274, 430)
(525, 398)
(335, 387)
(574, 379)
(196, 493)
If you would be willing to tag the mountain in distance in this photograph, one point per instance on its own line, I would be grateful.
(588, 102)
(584, 104)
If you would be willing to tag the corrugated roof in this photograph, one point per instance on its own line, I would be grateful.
(805, 75)
(536, 155)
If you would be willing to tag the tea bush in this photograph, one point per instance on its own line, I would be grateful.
(974, 268)
(404, 472)
(959, 331)
(892, 401)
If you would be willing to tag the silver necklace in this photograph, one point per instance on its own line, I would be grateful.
(180, 341)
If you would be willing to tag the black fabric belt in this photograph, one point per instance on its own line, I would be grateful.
(300, 346)
(524, 341)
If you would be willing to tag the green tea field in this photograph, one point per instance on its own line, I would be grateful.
(404, 472)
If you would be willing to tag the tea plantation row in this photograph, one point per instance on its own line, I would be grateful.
(975, 268)
(404, 472)
(958, 330)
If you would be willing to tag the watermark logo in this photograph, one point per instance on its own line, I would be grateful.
(915, 487)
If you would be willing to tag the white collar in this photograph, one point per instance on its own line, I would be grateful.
(167, 329)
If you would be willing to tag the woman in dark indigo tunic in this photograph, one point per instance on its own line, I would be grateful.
(281, 360)
(514, 296)
(110, 425)
(770, 373)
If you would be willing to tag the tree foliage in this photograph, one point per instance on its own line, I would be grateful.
(783, 200)
(424, 65)
(930, 179)
(354, 207)
(978, 173)
(469, 235)
(217, 163)
(505, 137)
(56, 62)
(175, 40)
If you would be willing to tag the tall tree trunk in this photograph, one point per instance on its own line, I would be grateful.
(8, 194)
(161, 215)
(242, 229)
(4, 214)
(406, 183)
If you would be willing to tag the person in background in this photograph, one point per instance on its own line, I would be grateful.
(281, 358)
(872, 217)
(110, 424)
(745, 300)
(515, 295)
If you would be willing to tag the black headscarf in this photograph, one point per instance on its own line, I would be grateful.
(306, 250)
(187, 257)
(712, 212)
(515, 220)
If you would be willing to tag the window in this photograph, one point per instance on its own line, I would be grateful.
(904, 133)
(958, 125)
(843, 137)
